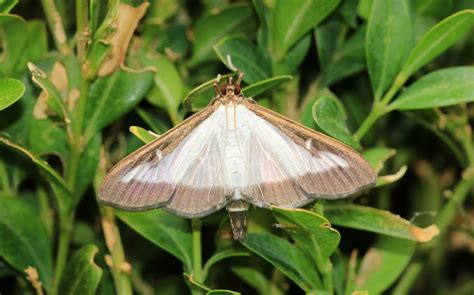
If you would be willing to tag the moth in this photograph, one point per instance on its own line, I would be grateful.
(230, 154)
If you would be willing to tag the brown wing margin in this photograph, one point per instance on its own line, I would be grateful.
(337, 182)
(136, 195)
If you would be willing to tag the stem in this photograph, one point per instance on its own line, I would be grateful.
(65, 222)
(380, 107)
(409, 277)
(83, 31)
(449, 210)
(375, 114)
(113, 241)
(397, 84)
(5, 183)
(56, 26)
(76, 142)
(197, 259)
(324, 267)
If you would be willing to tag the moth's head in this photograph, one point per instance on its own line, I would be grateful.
(231, 88)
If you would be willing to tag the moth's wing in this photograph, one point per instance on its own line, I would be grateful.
(174, 171)
(292, 164)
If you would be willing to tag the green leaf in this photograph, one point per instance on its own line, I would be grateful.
(294, 57)
(329, 114)
(286, 257)
(169, 232)
(168, 85)
(378, 221)
(378, 156)
(14, 41)
(160, 10)
(89, 162)
(233, 19)
(387, 179)
(310, 230)
(48, 137)
(51, 174)
(24, 241)
(239, 53)
(7, 5)
(144, 135)
(82, 275)
(113, 96)
(290, 20)
(222, 292)
(440, 88)
(54, 98)
(256, 279)
(347, 60)
(388, 41)
(437, 40)
(383, 264)
(219, 256)
(36, 46)
(265, 85)
(11, 90)
(193, 94)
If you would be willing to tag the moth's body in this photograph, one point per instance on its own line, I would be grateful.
(232, 153)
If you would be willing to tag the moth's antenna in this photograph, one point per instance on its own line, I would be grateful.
(231, 80)
(239, 77)
(216, 84)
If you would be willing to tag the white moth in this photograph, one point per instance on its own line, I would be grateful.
(232, 153)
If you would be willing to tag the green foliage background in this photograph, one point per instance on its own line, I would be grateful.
(391, 78)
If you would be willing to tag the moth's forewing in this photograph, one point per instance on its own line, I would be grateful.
(335, 170)
(141, 180)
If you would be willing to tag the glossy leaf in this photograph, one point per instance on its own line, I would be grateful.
(167, 231)
(256, 279)
(265, 85)
(36, 46)
(388, 179)
(383, 263)
(24, 241)
(113, 96)
(437, 40)
(237, 53)
(14, 40)
(292, 19)
(7, 5)
(286, 257)
(233, 19)
(378, 221)
(48, 137)
(377, 157)
(11, 90)
(388, 41)
(347, 60)
(294, 57)
(440, 88)
(193, 94)
(144, 135)
(309, 230)
(329, 114)
(54, 98)
(219, 256)
(51, 174)
(82, 275)
(168, 85)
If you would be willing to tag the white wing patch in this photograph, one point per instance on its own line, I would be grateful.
(234, 152)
